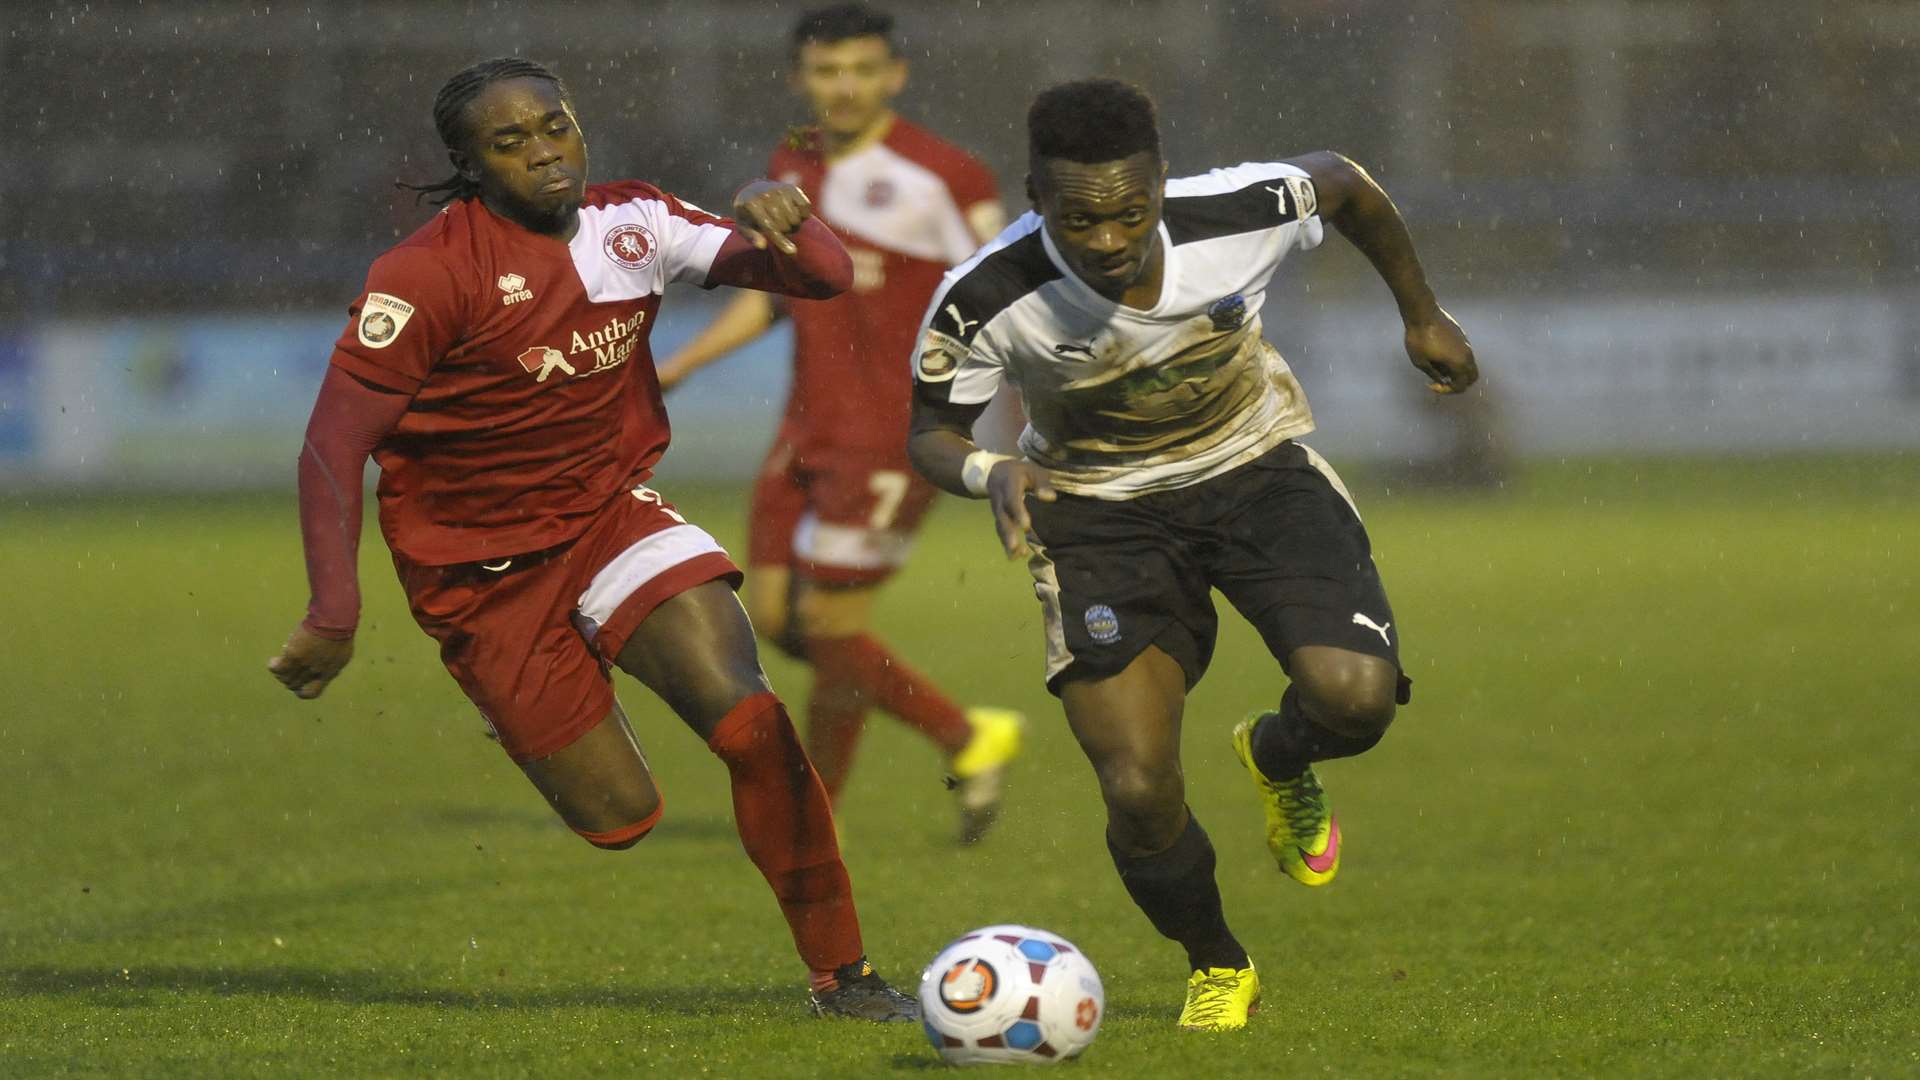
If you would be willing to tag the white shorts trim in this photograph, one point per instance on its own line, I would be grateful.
(647, 559)
(1333, 478)
(849, 547)
(1046, 588)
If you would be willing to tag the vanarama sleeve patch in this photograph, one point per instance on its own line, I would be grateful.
(382, 317)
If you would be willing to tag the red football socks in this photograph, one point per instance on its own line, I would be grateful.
(861, 670)
(787, 828)
(836, 718)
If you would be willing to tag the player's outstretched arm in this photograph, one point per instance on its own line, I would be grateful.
(778, 246)
(746, 317)
(1352, 202)
(349, 419)
(941, 447)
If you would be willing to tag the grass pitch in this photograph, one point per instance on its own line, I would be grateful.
(1653, 812)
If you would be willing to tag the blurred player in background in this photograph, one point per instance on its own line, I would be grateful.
(496, 367)
(1161, 463)
(837, 503)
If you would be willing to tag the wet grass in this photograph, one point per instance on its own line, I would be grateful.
(1652, 813)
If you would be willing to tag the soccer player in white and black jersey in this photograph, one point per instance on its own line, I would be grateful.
(1161, 462)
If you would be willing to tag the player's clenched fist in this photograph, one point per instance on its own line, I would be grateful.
(767, 211)
(1008, 486)
(308, 662)
(1438, 347)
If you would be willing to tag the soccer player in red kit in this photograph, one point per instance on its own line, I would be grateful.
(497, 369)
(837, 503)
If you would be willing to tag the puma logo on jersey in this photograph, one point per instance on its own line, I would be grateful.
(1066, 347)
(1362, 620)
(515, 287)
(545, 361)
(960, 322)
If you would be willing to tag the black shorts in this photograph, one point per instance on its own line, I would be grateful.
(1278, 536)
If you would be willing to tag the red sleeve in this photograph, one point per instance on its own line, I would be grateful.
(819, 267)
(405, 320)
(349, 419)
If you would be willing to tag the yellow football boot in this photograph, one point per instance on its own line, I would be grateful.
(979, 770)
(1220, 999)
(1302, 832)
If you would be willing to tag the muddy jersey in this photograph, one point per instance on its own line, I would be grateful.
(905, 206)
(1120, 401)
(534, 395)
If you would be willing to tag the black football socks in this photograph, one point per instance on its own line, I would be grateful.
(1176, 890)
(1286, 742)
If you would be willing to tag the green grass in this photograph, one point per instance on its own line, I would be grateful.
(1653, 812)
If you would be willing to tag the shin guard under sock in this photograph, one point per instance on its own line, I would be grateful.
(1176, 890)
(787, 829)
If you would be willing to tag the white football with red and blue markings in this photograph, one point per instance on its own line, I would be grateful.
(1011, 994)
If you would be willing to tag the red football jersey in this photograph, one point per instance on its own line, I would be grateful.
(900, 206)
(534, 395)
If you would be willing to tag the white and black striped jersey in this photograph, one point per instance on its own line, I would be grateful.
(1121, 402)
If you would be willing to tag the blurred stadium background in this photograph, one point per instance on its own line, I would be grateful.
(1670, 226)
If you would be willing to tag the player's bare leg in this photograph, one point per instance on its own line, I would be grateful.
(1339, 704)
(769, 597)
(1350, 694)
(854, 672)
(1129, 727)
(697, 652)
(834, 610)
(600, 785)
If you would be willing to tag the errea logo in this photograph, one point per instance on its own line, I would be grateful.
(515, 287)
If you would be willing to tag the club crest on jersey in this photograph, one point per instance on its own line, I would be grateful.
(1103, 625)
(939, 358)
(1228, 312)
(879, 193)
(631, 246)
(542, 361)
(382, 318)
(515, 287)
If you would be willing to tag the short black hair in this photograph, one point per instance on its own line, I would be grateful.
(842, 21)
(451, 103)
(1092, 121)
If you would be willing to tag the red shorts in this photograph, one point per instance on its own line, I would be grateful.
(531, 639)
(844, 517)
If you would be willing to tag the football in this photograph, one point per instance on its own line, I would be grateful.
(1005, 994)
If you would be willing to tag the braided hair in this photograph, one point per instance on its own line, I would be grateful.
(451, 102)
